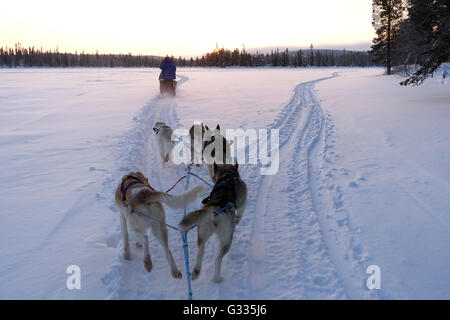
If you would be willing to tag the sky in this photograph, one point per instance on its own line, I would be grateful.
(186, 28)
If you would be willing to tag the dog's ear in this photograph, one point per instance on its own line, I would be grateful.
(218, 127)
(236, 166)
(215, 167)
(206, 127)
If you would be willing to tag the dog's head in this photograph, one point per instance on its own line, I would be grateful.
(158, 125)
(137, 175)
(217, 171)
(196, 129)
(211, 136)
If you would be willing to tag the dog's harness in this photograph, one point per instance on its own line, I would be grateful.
(157, 129)
(231, 186)
(124, 188)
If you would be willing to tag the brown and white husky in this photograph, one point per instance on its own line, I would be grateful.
(136, 199)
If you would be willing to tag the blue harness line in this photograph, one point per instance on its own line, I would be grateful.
(198, 177)
(132, 183)
(154, 219)
(124, 191)
(185, 243)
(226, 207)
(224, 185)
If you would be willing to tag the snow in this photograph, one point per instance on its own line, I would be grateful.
(394, 176)
(363, 180)
(442, 74)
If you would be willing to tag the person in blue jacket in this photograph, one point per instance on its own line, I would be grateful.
(167, 76)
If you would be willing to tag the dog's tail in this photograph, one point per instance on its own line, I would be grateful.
(194, 218)
(181, 200)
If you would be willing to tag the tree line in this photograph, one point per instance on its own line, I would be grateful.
(284, 58)
(32, 57)
(412, 36)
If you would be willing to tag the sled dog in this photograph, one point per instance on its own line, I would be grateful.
(164, 138)
(212, 137)
(135, 198)
(196, 132)
(229, 191)
(204, 139)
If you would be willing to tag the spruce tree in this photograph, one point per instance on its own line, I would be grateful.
(387, 16)
(431, 20)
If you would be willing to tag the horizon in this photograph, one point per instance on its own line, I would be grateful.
(263, 50)
(195, 26)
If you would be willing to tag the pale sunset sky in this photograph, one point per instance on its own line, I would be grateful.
(186, 28)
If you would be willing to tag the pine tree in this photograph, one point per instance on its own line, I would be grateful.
(387, 16)
(300, 58)
(311, 55)
(431, 20)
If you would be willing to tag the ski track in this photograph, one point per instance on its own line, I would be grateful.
(302, 245)
(286, 236)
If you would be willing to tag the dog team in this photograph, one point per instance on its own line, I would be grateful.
(141, 206)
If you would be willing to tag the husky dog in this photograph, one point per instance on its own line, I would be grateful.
(164, 137)
(197, 131)
(139, 205)
(212, 138)
(229, 192)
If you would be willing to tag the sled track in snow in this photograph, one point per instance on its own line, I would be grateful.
(286, 240)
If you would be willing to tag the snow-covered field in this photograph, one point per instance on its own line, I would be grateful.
(364, 179)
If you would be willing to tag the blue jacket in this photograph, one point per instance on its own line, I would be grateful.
(167, 70)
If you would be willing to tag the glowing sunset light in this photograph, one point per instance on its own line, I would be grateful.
(186, 28)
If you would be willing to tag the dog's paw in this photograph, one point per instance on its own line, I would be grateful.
(148, 265)
(176, 274)
(195, 274)
(217, 279)
(127, 255)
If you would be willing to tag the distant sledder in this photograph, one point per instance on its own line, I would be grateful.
(167, 83)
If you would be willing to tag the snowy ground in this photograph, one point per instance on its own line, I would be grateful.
(364, 179)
